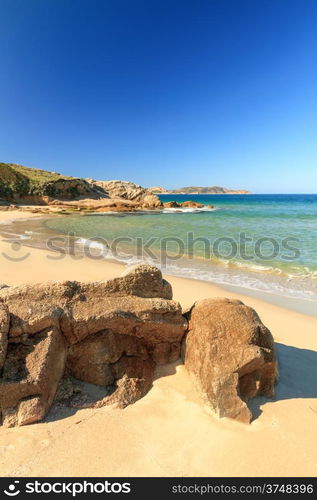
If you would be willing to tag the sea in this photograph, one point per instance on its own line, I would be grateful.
(262, 243)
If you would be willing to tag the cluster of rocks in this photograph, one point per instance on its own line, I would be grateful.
(185, 204)
(113, 334)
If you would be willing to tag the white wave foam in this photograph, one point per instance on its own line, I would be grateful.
(187, 210)
(15, 236)
(214, 275)
(86, 242)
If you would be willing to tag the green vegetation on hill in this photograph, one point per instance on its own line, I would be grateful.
(18, 182)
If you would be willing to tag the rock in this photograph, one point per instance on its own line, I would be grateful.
(130, 191)
(129, 305)
(184, 204)
(9, 417)
(191, 204)
(230, 354)
(112, 333)
(35, 307)
(151, 201)
(65, 389)
(171, 204)
(142, 280)
(33, 368)
(122, 189)
(128, 391)
(94, 359)
(4, 329)
(152, 319)
(165, 352)
(31, 410)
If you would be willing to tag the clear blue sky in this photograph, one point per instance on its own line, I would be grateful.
(162, 92)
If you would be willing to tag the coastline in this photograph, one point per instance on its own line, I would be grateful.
(245, 282)
(279, 442)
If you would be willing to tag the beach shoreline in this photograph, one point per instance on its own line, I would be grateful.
(270, 295)
(137, 441)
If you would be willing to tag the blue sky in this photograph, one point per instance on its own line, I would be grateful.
(162, 92)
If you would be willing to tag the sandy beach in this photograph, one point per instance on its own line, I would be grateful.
(170, 432)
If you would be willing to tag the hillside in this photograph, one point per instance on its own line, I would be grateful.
(23, 183)
(30, 186)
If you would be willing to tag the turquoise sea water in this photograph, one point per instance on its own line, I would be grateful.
(262, 242)
(267, 242)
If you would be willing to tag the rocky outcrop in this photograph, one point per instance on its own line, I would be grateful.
(129, 191)
(113, 334)
(141, 280)
(151, 201)
(81, 309)
(106, 333)
(230, 354)
(171, 204)
(185, 204)
(122, 189)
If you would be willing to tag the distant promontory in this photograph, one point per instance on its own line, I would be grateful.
(198, 190)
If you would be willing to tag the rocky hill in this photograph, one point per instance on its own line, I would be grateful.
(19, 184)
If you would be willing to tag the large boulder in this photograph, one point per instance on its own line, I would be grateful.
(191, 204)
(230, 354)
(112, 334)
(84, 308)
(172, 204)
(142, 280)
